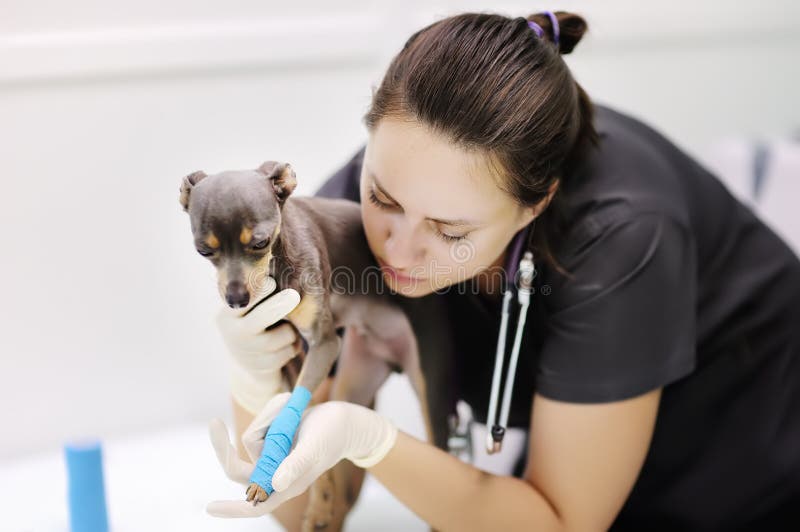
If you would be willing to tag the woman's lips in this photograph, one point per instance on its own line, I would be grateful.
(396, 275)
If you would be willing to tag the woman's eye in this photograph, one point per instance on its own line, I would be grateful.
(450, 238)
(387, 206)
(378, 203)
(261, 244)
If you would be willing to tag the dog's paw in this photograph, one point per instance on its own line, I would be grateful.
(256, 493)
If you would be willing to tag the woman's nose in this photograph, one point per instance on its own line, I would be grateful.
(402, 249)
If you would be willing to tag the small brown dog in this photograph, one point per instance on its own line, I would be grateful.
(248, 226)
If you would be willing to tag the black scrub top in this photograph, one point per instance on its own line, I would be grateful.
(676, 284)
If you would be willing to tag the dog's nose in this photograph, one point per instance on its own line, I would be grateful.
(236, 294)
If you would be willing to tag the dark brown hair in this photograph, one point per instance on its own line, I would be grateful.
(488, 83)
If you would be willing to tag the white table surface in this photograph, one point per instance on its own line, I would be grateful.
(161, 481)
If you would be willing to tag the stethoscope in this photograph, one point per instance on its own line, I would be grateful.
(459, 440)
(526, 271)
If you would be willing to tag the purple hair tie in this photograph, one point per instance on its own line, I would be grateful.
(536, 28)
(540, 32)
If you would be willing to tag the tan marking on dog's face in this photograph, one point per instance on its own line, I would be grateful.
(254, 273)
(212, 241)
(246, 235)
(304, 314)
(255, 277)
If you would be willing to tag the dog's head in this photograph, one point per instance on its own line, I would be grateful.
(236, 219)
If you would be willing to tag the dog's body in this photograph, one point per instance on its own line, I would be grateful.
(352, 283)
(249, 227)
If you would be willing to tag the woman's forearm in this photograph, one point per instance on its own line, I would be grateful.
(452, 495)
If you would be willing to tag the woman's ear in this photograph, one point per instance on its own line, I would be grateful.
(539, 208)
(534, 211)
(527, 214)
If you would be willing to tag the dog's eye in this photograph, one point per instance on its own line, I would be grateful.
(261, 244)
(205, 252)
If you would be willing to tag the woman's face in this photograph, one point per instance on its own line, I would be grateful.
(433, 213)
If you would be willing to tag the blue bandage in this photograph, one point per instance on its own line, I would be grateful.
(278, 441)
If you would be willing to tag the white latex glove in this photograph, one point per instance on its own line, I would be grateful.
(328, 433)
(259, 355)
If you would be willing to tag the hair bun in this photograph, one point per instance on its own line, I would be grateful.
(571, 28)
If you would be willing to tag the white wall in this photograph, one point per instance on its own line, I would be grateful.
(106, 323)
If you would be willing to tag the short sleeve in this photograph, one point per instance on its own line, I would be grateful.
(625, 323)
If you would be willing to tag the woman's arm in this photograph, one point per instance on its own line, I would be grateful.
(450, 494)
(583, 460)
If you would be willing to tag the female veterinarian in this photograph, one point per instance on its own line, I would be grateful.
(658, 374)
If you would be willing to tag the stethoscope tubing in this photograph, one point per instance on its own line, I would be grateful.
(494, 438)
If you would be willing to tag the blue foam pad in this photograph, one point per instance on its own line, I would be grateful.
(86, 489)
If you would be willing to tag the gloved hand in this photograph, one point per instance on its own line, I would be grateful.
(259, 355)
(328, 432)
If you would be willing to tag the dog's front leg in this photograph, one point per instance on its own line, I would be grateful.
(311, 315)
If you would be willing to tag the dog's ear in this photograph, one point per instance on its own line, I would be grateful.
(282, 178)
(186, 187)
